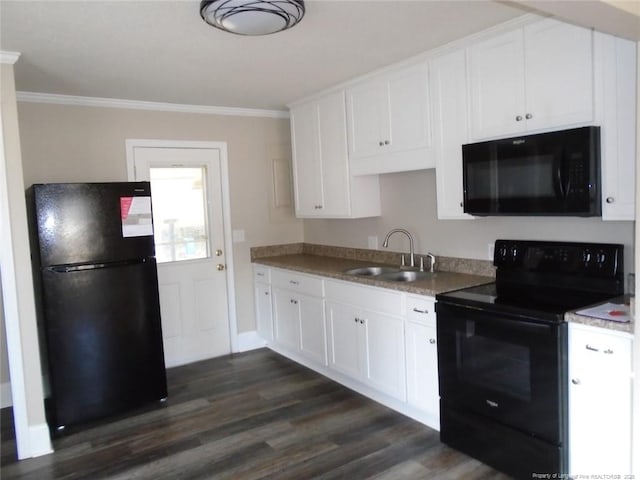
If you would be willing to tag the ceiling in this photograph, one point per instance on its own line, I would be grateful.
(162, 51)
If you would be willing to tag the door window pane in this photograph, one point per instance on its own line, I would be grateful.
(179, 213)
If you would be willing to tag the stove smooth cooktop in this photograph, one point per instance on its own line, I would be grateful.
(545, 304)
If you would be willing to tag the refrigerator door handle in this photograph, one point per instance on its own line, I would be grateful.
(92, 266)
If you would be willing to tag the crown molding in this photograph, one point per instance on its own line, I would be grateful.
(9, 57)
(35, 97)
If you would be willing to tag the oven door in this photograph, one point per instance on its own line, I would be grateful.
(503, 368)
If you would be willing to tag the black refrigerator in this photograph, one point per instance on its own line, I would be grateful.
(97, 298)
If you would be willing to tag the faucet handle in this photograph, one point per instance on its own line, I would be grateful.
(421, 263)
(432, 262)
(403, 261)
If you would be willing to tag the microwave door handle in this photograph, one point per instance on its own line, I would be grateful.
(559, 181)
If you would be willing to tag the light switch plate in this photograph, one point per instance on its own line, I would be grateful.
(490, 247)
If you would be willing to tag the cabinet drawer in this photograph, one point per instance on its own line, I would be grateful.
(298, 282)
(421, 310)
(368, 298)
(261, 273)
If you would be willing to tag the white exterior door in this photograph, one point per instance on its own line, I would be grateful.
(186, 191)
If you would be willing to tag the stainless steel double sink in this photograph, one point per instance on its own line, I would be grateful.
(390, 274)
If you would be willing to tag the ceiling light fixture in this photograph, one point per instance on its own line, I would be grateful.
(252, 17)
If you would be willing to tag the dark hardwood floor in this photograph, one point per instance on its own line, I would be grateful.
(248, 416)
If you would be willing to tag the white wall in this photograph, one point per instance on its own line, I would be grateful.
(409, 201)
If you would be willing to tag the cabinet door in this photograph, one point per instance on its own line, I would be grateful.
(307, 170)
(558, 75)
(496, 81)
(384, 353)
(422, 368)
(616, 59)
(264, 316)
(313, 338)
(408, 100)
(599, 402)
(449, 106)
(286, 317)
(334, 165)
(343, 338)
(367, 117)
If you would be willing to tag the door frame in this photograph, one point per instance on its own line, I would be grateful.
(133, 143)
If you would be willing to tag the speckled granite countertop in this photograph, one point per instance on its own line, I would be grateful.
(334, 267)
(627, 327)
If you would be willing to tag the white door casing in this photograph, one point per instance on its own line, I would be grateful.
(197, 301)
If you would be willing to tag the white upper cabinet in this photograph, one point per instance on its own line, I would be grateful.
(323, 185)
(388, 120)
(450, 131)
(534, 78)
(616, 107)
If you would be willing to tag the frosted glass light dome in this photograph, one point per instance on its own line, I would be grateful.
(252, 17)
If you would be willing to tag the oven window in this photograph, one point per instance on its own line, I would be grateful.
(494, 364)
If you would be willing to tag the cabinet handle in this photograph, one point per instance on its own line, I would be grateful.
(519, 118)
(461, 204)
(294, 282)
(575, 381)
(417, 310)
(266, 293)
(381, 143)
(432, 341)
(528, 116)
(260, 274)
(386, 142)
(356, 320)
(295, 302)
(608, 351)
(318, 207)
(593, 349)
(362, 321)
(610, 200)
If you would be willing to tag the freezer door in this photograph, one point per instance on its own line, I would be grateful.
(104, 340)
(92, 222)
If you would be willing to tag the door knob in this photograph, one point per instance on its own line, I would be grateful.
(218, 253)
(220, 267)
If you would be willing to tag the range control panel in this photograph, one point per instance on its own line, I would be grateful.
(591, 259)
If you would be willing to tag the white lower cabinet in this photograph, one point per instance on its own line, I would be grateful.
(298, 315)
(367, 346)
(600, 386)
(422, 356)
(262, 297)
(379, 342)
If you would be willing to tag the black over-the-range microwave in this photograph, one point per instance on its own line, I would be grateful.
(556, 173)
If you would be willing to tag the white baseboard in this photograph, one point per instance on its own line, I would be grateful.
(5, 395)
(250, 341)
(40, 440)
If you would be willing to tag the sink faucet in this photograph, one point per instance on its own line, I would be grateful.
(385, 244)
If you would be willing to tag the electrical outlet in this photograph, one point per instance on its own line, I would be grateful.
(490, 247)
(372, 242)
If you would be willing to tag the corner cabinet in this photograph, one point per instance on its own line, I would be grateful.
(600, 401)
(388, 120)
(533, 78)
(323, 184)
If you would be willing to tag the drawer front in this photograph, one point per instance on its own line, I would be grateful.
(421, 310)
(261, 273)
(298, 282)
(368, 298)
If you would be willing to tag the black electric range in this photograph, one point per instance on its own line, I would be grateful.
(502, 352)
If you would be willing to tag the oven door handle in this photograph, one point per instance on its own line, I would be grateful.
(520, 325)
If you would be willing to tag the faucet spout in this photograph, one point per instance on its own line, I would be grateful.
(385, 244)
